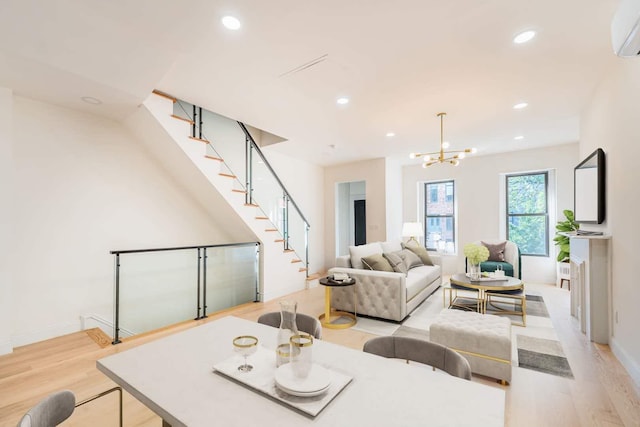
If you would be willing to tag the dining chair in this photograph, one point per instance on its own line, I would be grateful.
(422, 351)
(304, 322)
(57, 407)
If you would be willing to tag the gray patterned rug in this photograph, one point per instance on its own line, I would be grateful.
(536, 346)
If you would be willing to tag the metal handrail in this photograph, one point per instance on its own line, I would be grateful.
(130, 251)
(266, 162)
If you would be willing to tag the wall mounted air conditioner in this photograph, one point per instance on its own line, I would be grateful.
(625, 29)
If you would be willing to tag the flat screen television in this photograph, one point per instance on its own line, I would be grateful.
(589, 189)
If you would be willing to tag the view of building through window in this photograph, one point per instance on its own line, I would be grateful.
(439, 216)
(527, 212)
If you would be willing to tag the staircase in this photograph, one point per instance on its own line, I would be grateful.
(163, 126)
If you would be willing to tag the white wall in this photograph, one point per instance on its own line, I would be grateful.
(305, 183)
(610, 121)
(373, 173)
(478, 196)
(395, 214)
(84, 186)
(6, 213)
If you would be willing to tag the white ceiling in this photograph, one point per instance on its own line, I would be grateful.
(400, 63)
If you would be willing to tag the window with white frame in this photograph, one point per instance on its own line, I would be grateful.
(439, 215)
(528, 212)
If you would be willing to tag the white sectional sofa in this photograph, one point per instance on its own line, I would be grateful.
(384, 294)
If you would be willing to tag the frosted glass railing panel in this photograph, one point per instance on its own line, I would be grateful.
(267, 191)
(232, 277)
(227, 140)
(297, 237)
(157, 289)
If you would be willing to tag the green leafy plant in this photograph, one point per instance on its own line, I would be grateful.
(476, 253)
(562, 241)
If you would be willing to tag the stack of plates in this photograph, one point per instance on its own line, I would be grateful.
(316, 383)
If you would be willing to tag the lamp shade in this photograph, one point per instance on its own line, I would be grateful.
(412, 229)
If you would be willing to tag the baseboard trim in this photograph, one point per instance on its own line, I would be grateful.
(6, 347)
(89, 321)
(51, 331)
(627, 361)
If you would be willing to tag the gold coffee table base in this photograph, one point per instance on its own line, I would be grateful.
(336, 315)
(331, 314)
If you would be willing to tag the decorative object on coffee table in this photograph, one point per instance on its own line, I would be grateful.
(475, 255)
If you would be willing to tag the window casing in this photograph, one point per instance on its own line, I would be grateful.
(528, 212)
(439, 215)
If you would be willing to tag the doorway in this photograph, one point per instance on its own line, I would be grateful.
(351, 215)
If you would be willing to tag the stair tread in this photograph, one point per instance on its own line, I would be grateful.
(195, 138)
(182, 118)
(164, 95)
(288, 250)
(239, 191)
(301, 269)
(315, 276)
(228, 175)
(208, 156)
(293, 261)
(253, 205)
(279, 240)
(271, 229)
(262, 217)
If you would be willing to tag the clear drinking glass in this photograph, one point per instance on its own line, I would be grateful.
(301, 354)
(246, 345)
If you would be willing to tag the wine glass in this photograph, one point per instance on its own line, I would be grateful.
(246, 345)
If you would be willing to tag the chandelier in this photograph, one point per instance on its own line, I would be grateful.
(442, 156)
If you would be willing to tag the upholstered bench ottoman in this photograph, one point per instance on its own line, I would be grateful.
(483, 339)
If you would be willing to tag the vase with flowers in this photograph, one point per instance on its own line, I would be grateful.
(475, 255)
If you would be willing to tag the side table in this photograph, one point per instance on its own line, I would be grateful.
(329, 317)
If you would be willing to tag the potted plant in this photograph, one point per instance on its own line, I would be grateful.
(563, 243)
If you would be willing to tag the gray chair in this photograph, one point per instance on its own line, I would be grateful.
(421, 351)
(304, 322)
(57, 407)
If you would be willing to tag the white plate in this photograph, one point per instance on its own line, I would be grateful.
(301, 394)
(318, 380)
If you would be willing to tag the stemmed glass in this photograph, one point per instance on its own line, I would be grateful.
(246, 345)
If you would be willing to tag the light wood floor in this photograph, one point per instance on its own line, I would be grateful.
(602, 394)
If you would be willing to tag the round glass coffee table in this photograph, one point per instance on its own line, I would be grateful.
(331, 318)
(494, 295)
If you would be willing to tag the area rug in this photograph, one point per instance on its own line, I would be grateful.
(535, 346)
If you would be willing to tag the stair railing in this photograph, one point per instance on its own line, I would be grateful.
(155, 287)
(206, 127)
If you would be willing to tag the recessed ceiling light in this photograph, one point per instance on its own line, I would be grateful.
(391, 134)
(524, 37)
(520, 106)
(519, 137)
(231, 22)
(342, 101)
(91, 100)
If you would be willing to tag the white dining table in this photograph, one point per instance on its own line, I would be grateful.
(173, 377)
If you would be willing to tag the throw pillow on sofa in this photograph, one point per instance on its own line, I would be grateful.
(358, 252)
(496, 251)
(396, 261)
(377, 262)
(410, 259)
(420, 251)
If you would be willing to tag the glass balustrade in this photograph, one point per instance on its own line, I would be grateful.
(155, 288)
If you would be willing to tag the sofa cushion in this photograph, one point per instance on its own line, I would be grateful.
(396, 261)
(496, 251)
(410, 259)
(420, 251)
(377, 262)
(419, 278)
(388, 247)
(358, 252)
